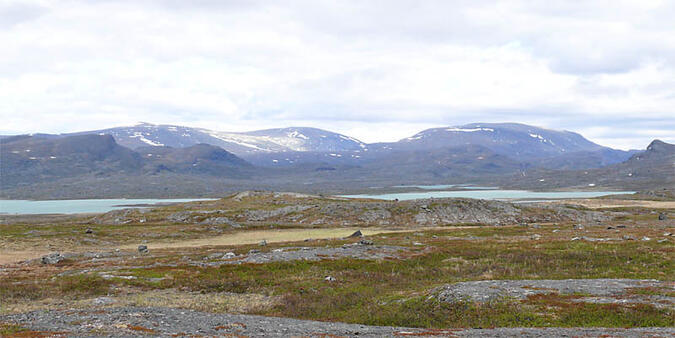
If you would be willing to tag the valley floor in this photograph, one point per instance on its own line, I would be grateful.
(537, 270)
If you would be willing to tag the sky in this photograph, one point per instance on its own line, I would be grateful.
(377, 70)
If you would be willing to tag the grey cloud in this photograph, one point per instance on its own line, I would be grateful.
(14, 13)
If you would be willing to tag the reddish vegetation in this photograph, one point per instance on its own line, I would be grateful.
(140, 328)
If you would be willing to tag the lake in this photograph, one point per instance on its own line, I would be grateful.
(80, 206)
(491, 194)
(446, 186)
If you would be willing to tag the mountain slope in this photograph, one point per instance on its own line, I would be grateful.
(30, 159)
(301, 139)
(583, 159)
(651, 169)
(518, 141)
(297, 139)
(199, 159)
(459, 161)
(27, 160)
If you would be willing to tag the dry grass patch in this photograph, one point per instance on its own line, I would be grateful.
(277, 236)
(209, 302)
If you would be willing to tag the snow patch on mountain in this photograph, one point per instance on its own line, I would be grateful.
(241, 140)
(296, 133)
(469, 130)
(142, 138)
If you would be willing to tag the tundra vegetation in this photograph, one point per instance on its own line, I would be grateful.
(309, 268)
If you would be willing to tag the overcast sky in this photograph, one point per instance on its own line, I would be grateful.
(374, 70)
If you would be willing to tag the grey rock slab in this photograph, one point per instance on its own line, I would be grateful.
(356, 250)
(120, 321)
(488, 290)
(164, 322)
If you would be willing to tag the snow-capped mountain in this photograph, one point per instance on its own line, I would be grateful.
(530, 145)
(293, 139)
(511, 139)
(300, 139)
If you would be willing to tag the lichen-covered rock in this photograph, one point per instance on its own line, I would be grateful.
(52, 258)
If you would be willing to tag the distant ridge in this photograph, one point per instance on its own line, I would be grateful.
(292, 139)
(538, 147)
(31, 159)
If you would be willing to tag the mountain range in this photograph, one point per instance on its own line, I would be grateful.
(293, 139)
(122, 159)
(535, 146)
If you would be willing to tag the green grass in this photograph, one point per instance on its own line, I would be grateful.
(77, 286)
(394, 292)
(7, 329)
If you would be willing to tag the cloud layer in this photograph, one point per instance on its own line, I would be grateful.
(376, 70)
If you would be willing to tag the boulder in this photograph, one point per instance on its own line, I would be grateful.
(356, 234)
(143, 249)
(663, 216)
(52, 258)
(102, 301)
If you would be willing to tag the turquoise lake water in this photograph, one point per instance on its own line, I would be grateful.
(491, 194)
(445, 186)
(78, 206)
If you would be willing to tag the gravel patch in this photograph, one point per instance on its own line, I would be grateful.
(483, 291)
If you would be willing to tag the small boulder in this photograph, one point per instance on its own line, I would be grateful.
(52, 258)
(357, 233)
(253, 251)
(578, 227)
(143, 249)
(216, 255)
(263, 243)
(365, 242)
(662, 216)
(330, 279)
(102, 301)
(229, 255)
(89, 231)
